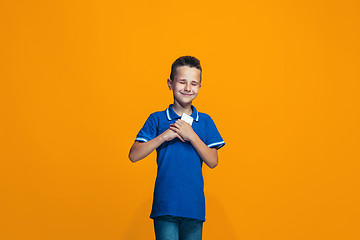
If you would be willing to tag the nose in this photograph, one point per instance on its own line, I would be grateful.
(187, 87)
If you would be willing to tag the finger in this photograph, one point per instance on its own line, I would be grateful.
(177, 133)
(181, 122)
(181, 139)
(175, 129)
(174, 125)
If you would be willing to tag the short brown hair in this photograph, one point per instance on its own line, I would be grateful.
(189, 61)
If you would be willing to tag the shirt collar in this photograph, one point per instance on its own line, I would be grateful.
(171, 114)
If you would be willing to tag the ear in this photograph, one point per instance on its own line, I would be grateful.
(169, 82)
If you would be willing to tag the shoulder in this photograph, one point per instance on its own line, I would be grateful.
(205, 117)
(158, 114)
(207, 121)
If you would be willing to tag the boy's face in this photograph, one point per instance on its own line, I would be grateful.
(186, 84)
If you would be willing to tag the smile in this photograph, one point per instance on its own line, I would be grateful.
(185, 94)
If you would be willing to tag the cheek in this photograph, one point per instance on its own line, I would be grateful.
(177, 87)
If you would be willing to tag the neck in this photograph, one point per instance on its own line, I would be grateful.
(180, 109)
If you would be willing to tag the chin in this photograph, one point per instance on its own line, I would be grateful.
(185, 102)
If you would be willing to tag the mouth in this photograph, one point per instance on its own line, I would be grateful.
(186, 94)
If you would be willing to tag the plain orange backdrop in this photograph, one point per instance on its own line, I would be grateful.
(280, 80)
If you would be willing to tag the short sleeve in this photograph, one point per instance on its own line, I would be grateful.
(213, 138)
(148, 131)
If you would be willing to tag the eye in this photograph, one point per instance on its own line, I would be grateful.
(194, 84)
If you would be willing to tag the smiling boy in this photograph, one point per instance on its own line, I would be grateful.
(178, 208)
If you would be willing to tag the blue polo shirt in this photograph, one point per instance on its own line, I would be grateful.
(179, 185)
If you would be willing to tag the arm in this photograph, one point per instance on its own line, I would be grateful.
(140, 150)
(208, 155)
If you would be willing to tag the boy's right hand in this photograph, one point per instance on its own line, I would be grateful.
(169, 135)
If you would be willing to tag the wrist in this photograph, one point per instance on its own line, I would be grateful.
(193, 138)
(162, 138)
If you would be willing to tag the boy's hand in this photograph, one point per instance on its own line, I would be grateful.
(169, 135)
(183, 129)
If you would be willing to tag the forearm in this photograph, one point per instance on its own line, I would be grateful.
(140, 150)
(208, 155)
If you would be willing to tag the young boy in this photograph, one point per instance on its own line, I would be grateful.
(182, 146)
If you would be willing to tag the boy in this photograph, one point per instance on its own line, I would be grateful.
(182, 146)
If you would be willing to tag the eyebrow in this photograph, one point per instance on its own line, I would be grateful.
(183, 79)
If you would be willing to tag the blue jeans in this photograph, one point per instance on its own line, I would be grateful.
(177, 228)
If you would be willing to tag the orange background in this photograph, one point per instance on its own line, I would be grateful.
(280, 80)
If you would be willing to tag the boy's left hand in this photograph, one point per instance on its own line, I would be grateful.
(183, 129)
